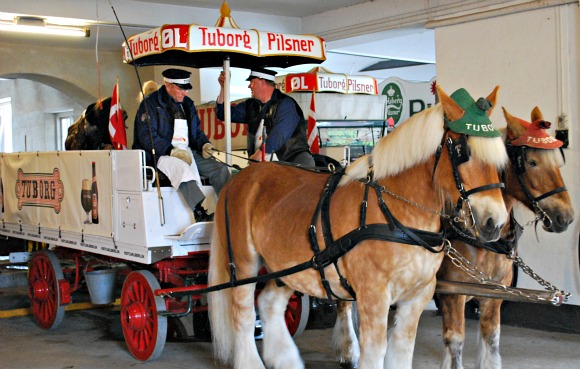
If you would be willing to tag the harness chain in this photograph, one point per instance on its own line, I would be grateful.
(509, 248)
(464, 264)
(547, 285)
(504, 245)
(393, 231)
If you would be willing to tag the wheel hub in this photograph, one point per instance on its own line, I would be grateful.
(40, 290)
(134, 316)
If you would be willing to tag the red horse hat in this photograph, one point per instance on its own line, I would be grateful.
(536, 136)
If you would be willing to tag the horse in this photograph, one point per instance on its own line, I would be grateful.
(270, 215)
(533, 179)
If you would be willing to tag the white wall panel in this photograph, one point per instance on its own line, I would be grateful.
(534, 57)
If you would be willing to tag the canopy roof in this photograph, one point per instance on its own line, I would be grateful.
(196, 46)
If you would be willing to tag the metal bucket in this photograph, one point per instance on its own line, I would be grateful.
(101, 284)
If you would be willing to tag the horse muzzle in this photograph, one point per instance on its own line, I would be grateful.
(490, 230)
(558, 221)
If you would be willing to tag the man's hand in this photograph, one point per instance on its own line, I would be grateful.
(207, 150)
(221, 81)
(257, 156)
(182, 155)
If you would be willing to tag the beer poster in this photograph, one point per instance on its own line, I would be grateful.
(58, 190)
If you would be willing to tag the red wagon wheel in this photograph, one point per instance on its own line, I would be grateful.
(44, 275)
(297, 312)
(145, 331)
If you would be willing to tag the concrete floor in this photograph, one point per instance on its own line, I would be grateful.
(89, 339)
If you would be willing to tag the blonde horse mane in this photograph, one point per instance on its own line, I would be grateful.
(415, 141)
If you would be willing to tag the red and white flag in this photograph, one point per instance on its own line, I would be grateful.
(312, 132)
(117, 122)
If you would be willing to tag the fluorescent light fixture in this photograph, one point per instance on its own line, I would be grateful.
(39, 26)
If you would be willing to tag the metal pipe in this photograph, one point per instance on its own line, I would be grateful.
(227, 110)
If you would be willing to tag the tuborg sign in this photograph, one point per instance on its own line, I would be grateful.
(405, 98)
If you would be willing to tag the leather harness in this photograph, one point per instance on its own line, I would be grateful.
(393, 231)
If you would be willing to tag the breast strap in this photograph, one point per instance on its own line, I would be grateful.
(393, 231)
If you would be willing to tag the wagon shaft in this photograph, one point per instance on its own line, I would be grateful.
(501, 293)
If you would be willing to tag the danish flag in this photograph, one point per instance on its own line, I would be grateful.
(312, 132)
(116, 121)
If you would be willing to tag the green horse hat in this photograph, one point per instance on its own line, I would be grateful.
(475, 121)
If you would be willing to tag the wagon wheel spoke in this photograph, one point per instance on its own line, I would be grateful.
(297, 312)
(44, 294)
(145, 331)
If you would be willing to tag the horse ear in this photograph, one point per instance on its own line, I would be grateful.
(492, 99)
(537, 114)
(514, 127)
(452, 109)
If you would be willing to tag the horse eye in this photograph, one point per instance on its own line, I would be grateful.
(532, 163)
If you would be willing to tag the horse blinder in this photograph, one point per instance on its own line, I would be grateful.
(460, 150)
(518, 155)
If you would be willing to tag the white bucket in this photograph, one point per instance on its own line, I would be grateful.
(101, 284)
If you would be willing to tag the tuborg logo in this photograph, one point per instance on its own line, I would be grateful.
(40, 190)
(394, 101)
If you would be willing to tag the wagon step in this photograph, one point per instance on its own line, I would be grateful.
(496, 292)
(200, 232)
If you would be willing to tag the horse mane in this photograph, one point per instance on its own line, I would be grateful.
(414, 142)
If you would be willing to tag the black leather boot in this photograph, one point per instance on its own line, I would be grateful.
(201, 214)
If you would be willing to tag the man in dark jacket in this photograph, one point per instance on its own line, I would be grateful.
(168, 126)
(279, 114)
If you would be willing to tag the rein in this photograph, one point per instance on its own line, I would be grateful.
(320, 169)
(517, 155)
(507, 245)
(393, 231)
(459, 153)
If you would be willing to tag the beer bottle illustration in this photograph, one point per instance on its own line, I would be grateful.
(95, 197)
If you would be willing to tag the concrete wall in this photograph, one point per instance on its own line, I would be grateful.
(34, 127)
(73, 73)
(535, 57)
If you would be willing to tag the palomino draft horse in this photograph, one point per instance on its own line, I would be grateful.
(268, 213)
(532, 178)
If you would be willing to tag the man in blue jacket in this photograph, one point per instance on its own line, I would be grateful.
(278, 113)
(168, 128)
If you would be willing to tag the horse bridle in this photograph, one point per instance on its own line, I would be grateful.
(517, 155)
(459, 153)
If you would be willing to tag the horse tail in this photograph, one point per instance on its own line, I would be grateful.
(220, 302)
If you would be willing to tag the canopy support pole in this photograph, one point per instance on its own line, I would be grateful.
(227, 110)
